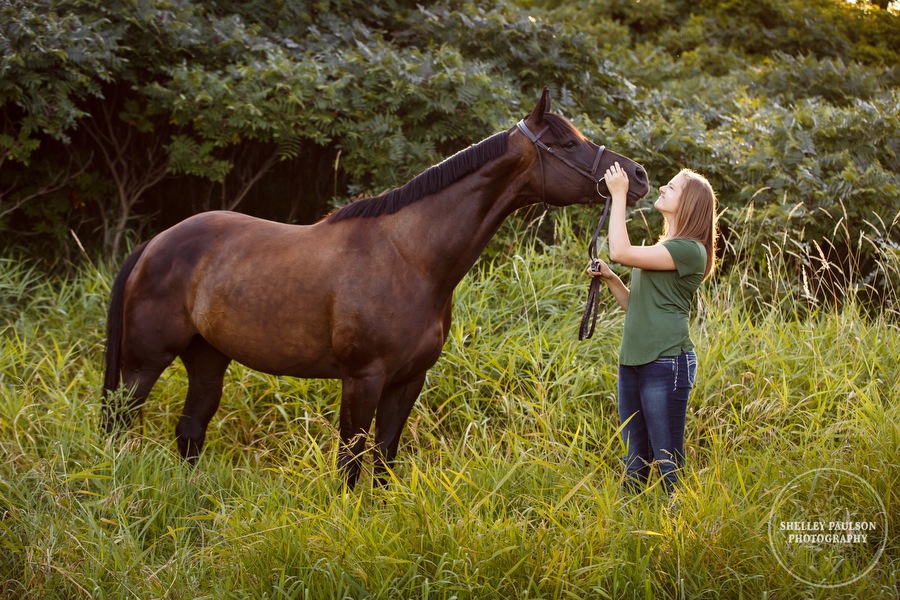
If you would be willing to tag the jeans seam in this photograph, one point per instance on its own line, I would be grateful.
(677, 369)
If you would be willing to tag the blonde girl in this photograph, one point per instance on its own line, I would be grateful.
(657, 362)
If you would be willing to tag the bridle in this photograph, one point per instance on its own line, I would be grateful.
(536, 140)
(589, 319)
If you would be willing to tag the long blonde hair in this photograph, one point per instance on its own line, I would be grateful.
(696, 217)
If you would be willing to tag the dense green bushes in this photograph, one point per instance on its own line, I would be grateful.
(116, 121)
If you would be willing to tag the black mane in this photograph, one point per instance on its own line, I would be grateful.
(430, 181)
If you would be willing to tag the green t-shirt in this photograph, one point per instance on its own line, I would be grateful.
(659, 306)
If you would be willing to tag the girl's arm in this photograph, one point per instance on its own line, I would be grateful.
(650, 258)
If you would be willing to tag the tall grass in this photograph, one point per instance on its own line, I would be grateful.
(508, 479)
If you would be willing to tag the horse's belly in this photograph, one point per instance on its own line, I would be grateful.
(308, 353)
(284, 366)
(270, 339)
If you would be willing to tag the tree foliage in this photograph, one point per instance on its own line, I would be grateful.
(119, 119)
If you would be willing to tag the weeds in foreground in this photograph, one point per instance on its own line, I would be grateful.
(508, 480)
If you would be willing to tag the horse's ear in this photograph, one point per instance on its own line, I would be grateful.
(541, 109)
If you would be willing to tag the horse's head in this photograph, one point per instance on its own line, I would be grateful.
(573, 171)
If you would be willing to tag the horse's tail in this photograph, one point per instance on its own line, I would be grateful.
(115, 329)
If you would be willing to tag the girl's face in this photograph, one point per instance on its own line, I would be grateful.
(670, 196)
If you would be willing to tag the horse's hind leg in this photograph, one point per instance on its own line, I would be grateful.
(142, 364)
(137, 381)
(206, 368)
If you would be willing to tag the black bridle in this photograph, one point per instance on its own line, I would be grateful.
(591, 308)
(536, 140)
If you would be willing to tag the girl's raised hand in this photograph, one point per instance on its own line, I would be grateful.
(617, 181)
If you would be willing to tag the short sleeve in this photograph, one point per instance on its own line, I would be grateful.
(689, 256)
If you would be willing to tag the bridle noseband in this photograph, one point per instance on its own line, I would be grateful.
(589, 319)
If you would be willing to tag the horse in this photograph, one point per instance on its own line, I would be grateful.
(363, 295)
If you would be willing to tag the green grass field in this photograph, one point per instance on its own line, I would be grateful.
(508, 481)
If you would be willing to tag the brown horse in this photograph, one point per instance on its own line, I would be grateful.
(363, 296)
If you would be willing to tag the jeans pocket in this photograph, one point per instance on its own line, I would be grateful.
(667, 367)
(669, 362)
(691, 364)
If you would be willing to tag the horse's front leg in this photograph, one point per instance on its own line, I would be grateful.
(359, 397)
(393, 411)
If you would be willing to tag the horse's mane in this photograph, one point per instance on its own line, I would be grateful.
(430, 181)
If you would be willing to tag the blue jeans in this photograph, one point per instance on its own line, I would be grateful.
(653, 400)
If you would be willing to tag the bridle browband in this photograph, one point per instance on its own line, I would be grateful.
(589, 319)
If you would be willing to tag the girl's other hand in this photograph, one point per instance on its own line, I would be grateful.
(598, 268)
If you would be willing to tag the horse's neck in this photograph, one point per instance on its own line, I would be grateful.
(445, 235)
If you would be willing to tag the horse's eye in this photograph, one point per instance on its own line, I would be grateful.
(569, 145)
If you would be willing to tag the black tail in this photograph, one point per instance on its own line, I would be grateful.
(114, 329)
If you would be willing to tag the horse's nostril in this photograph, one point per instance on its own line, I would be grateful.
(640, 175)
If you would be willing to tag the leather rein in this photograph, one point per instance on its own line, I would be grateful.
(592, 307)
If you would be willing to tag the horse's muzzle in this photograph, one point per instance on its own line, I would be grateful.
(640, 182)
